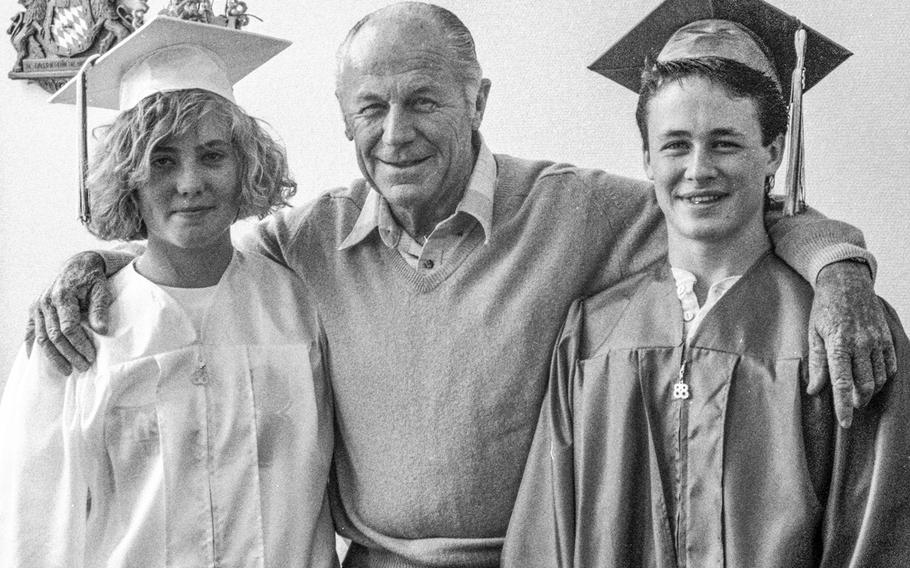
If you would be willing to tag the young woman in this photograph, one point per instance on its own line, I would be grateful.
(202, 435)
(677, 430)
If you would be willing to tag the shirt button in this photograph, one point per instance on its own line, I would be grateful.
(688, 316)
(428, 264)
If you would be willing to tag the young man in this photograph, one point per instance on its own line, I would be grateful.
(677, 430)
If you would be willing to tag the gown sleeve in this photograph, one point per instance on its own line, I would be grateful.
(43, 495)
(867, 519)
(542, 527)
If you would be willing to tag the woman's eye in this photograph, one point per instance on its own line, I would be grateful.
(161, 162)
(213, 157)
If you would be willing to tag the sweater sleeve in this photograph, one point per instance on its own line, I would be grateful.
(867, 517)
(273, 237)
(625, 228)
(808, 242)
(121, 255)
(541, 530)
(43, 494)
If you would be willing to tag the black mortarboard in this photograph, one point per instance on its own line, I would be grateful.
(751, 32)
(624, 61)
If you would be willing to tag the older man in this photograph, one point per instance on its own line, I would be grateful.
(442, 277)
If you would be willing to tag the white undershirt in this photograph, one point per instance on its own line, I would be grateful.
(194, 301)
(693, 314)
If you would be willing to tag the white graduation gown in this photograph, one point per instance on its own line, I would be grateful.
(176, 448)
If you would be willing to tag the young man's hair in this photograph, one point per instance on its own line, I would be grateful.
(739, 80)
(121, 162)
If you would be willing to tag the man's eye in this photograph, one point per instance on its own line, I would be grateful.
(726, 145)
(371, 109)
(424, 104)
(675, 146)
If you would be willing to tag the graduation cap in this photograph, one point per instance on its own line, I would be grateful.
(166, 54)
(751, 32)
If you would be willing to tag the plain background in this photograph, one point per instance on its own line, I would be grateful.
(544, 104)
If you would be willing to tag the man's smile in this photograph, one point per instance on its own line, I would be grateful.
(405, 163)
(702, 197)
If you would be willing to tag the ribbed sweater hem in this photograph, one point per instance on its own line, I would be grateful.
(360, 557)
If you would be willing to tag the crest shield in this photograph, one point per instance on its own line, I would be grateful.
(69, 27)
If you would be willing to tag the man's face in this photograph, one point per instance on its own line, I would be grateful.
(707, 161)
(409, 117)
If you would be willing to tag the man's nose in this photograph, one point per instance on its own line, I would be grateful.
(398, 126)
(701, 165)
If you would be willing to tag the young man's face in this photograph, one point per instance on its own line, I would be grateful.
(707, 161)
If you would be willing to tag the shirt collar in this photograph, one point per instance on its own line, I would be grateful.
(477, 202)
(685, 283)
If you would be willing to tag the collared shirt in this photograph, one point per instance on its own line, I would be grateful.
(693, 314)
(475, 207)
(203, 448)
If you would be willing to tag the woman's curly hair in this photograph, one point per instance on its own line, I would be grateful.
(121, 161)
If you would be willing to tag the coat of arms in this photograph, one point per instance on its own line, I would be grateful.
(53, 37)
(69, 27)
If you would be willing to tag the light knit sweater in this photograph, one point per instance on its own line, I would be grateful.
(438, 378)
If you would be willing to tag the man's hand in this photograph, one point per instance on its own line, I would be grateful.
(849, 341)
(55, 316)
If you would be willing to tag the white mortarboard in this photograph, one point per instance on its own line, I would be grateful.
(166, 54)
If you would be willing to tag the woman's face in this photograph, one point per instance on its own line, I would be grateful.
(191, 197)
(707, 161)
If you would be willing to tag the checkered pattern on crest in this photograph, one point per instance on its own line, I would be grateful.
(70, 27)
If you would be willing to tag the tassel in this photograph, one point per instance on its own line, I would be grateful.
(795, 202)
(82, 104)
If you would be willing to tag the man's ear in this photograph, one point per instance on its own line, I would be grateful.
(776, 153)
(646, 162)
(480, 103)
(348, 130)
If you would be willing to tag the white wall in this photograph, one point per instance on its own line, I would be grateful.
(544, 103)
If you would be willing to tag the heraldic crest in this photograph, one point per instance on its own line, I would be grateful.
(53, 38)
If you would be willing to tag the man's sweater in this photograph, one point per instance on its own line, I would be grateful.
(438, 375)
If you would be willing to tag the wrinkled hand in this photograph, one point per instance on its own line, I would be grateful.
(849, 341)
(54, 319)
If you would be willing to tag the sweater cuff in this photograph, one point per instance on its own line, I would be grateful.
(817, 255)
(118, 257)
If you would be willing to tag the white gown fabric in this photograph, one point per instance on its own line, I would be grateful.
(176, 448)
